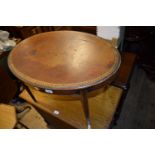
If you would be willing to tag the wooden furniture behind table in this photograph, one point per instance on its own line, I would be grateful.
(8, 87)
(27, 31)
(123, 81)
(8, 118)
(125, 71)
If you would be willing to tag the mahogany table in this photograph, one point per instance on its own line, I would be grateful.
(65, 62)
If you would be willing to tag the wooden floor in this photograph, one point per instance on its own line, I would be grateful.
(68, 109)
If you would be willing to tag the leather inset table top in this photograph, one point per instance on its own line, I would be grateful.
(64, 60)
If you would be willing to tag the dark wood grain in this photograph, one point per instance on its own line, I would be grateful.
(8, 87)
(125, 71)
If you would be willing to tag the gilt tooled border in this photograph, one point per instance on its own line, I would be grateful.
(64, 86)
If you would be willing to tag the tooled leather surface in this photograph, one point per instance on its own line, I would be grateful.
(62, 59)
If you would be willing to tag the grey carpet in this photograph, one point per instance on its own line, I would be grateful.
(138, 111)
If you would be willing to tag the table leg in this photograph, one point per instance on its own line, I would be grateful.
(84, 101)
(30, 93)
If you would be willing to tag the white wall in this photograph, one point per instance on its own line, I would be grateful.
(111, 32)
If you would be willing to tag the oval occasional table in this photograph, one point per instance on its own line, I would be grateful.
(65, 62)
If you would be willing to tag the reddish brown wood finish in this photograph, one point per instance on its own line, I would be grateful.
(64, 60)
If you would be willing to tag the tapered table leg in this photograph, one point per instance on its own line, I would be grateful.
(84, 101)
(30, 93)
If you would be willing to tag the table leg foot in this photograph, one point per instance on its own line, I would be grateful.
(84, 101)
(89, 124)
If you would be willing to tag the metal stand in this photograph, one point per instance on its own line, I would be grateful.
(84, 101)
